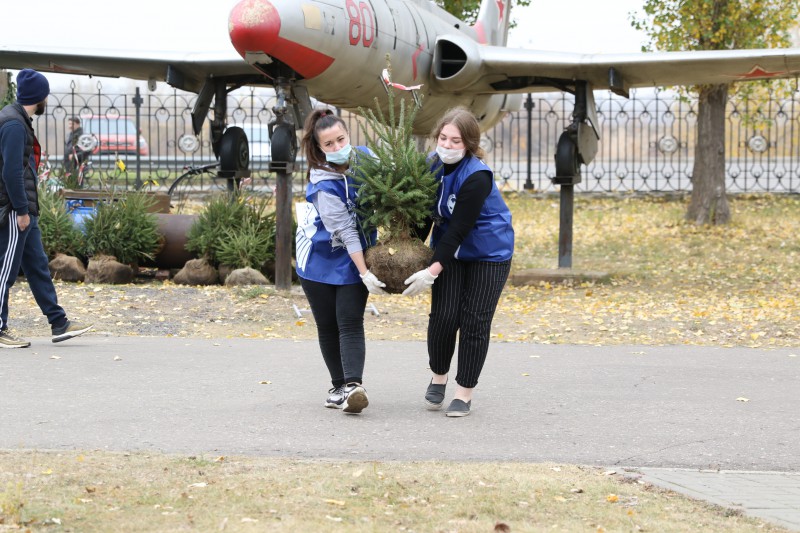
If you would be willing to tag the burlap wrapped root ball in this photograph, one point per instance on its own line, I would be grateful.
(393, 262)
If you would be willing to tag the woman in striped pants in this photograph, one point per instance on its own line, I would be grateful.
(473, 242)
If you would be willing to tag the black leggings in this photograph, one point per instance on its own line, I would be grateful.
(463, 303)
(339, 313)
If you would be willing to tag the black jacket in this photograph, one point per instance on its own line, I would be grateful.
(17, 112)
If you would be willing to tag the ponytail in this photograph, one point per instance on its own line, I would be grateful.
(318, 120)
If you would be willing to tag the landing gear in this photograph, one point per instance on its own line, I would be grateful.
(577, 145)
(230, 146)
(567, 165)
(283, 143)
(234, 156)
(283, 139)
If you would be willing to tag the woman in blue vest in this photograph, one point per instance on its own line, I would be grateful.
(473, 242)
(330, 257)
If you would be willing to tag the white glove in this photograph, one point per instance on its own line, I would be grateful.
(419, 282)
(373, 284)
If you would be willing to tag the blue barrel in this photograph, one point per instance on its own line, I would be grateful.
(79, 215)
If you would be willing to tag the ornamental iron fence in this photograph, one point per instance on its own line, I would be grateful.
(647, 141)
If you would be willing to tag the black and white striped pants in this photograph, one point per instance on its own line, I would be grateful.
(463, 301)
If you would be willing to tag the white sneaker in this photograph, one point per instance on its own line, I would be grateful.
(335, 398)
(355, 398)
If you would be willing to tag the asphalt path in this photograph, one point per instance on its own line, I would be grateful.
(642, 406)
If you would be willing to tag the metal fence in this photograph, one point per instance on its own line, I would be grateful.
(647, 142)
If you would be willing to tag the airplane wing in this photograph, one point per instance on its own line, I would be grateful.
(182, 71)
(460, 64)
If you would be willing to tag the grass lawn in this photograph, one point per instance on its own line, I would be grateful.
(103, 491)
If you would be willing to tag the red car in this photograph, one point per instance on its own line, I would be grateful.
(114, 136)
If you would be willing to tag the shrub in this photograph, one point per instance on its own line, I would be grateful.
(59, 232)
(248, 246)
(124, 228)
(236, 230)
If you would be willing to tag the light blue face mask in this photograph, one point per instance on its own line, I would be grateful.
(339, 157)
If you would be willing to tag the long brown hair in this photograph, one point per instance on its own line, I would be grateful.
(468, 127)
(320, 119)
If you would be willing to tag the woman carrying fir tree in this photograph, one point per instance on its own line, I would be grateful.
(473, 242)
(330, 257)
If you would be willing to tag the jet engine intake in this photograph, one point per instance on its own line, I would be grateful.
(456, 62)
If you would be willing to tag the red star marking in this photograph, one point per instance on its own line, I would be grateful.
(758, 72)
(414, 60)
(501, 6)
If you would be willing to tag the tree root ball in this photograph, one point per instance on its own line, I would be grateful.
(393, 262)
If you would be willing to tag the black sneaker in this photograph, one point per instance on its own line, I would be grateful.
(7, 340)
(434, 396)
(458, 408)
(355, 398)
(335, 398)
(69, 331)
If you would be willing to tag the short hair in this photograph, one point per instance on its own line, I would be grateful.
(76, 120)
(468, 127)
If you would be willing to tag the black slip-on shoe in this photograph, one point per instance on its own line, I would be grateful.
(434, 396)
(458, 408)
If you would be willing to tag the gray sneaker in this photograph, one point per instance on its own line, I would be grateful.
(355, 398)
(70, 330)
(7, 340)
(335, 398)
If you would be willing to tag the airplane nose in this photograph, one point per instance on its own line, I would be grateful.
(253, 26)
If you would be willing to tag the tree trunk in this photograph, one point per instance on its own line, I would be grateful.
(4, 82)
(709, 204)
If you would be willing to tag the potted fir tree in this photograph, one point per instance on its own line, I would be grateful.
(396, 193)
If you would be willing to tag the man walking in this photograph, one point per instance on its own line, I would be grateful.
(74, 155)
(20, 237)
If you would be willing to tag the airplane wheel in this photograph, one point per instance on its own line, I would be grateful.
(566, 156)
(234, 152)
(284, 144)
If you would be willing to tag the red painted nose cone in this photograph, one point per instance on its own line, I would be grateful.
(253, 26)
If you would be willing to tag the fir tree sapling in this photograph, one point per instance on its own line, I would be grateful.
(396, 192)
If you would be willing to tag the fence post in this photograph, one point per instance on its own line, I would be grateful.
(529, 106)
(137, 102)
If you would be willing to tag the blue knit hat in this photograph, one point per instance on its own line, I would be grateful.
(32, 87)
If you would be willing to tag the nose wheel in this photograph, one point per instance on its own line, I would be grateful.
(283, 147)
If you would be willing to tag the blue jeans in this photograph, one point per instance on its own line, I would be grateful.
(339, 313)
(24, 249)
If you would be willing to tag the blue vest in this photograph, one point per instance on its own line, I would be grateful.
(318, 256)
(492, 238)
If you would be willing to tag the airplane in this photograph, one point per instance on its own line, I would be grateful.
(336, 52)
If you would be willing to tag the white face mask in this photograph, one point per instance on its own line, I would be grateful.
(339, 157)
(450, 156)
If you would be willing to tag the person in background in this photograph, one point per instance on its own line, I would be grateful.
(330, 257)
(73, 154)
(473, 242)
(20, 237)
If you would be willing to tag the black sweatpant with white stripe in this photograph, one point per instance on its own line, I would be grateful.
(464, 299)
(24, 248)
